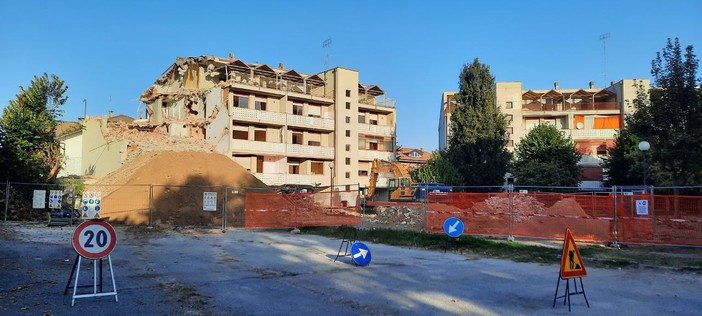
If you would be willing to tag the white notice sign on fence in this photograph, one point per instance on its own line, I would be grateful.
(39, 200)
(55, 199)
(209, 201)
(641, 207)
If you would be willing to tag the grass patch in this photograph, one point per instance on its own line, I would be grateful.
(678, 258)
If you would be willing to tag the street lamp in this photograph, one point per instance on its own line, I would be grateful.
(331, 184)
(644, 146)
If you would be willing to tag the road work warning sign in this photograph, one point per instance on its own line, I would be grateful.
(571, 262)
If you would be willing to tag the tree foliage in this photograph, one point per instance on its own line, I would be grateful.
(437, 170)
(478, 130)
(545, 157)
(29, 150)
(670, 119)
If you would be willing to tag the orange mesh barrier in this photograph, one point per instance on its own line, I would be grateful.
(671, 219)
(533, 215)
(278, 210)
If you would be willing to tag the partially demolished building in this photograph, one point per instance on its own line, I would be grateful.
(284, 126)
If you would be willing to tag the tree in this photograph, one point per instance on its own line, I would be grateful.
(437, 169)
(670, 119)
(478, 130)
(30, 151)
(624, 163)
(545, 157)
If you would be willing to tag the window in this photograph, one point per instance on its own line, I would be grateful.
(241, 101)
(602, 150)
(348, 175)
(297, 109)
(348, 119)
(509, 119)
(259, 164)
(508, 105)
(510, 143)
(348, 188)
(510, 130)
(314, 111)
(317, 167)
(415, 154)
(240, 135)
(313, 143)
(373, 122)
(348, 93)
(348, 133)
(297, 138)
(260, 135)
(348, 105)
(362, 118)
(348, 147)
(348, 161)
(260, 104)
(363, 173)
(373, 146)
(293, 166)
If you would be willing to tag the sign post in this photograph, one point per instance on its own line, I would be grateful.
(453, 226)
(94, 240)
(571, 267)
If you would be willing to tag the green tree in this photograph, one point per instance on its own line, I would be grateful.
(437, 169)
(624, 163)
(478, 130)
(670, 119)
(30, 151)
(545, 157)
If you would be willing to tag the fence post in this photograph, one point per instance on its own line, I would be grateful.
(615, 242)
(426, 202)
(7, 198)
(510, 195)
(224, 210)
(151, 204)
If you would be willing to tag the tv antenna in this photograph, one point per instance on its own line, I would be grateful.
(604, 38)
(325, 44)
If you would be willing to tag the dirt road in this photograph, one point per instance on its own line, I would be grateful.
(242, 272)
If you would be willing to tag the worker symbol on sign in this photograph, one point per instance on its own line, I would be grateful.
(572, 263)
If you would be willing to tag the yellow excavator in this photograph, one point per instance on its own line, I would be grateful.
(399, 184)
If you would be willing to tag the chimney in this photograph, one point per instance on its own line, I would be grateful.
(281, 66)
(231, 55)
(555, 85)
(592, 85)
(111, 114)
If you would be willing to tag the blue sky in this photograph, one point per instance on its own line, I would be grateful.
(108, 53)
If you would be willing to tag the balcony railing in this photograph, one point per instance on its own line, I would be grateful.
(375, 154)
(375, 129)
(310, 151)
(278, 84)
(376, 101)
(250, 146)
(258, 116)
(590, 133)
(567, 106)
(310, 122)
(283, 178)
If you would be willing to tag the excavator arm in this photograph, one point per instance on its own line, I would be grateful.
(373, 178)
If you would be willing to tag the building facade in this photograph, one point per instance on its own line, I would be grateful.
(589, 116)
(284, 126)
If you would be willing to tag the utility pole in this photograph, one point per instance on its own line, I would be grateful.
(325, 44)
(85, 109)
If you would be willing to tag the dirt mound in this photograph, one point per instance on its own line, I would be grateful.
(169, 187)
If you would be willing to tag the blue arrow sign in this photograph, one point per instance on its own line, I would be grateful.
(453, 227)
(360, 254)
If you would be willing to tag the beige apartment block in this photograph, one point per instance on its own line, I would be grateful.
(589, 116)
(284, 126)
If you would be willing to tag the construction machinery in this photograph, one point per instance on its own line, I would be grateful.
(399, 183)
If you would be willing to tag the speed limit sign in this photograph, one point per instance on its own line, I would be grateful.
(94, 239)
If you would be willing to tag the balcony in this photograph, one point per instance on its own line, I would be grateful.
(255, 147)
(277, 86)
(258, 116)
(567, 106)
(310, 122)
(284, 178)
(590, 133)
(375, 129)
(385, 105)
(369, 155)
(310, 151)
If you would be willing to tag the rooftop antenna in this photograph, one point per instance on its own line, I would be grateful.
(325, 44)
(604, 38)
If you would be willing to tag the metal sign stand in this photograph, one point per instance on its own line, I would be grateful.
(454, 242)
(95, 279)
(73, 272)
(566, 295)
(349, 238)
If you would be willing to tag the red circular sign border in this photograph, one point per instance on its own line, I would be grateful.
(76, 243)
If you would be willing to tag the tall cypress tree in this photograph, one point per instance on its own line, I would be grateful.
(478, 130)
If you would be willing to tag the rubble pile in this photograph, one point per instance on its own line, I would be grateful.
(144, 137)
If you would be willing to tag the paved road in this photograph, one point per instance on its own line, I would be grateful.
(276, 273)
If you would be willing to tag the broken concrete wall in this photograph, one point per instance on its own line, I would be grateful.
(100, 156)
(217, 131)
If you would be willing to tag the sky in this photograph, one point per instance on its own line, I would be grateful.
(108, 52)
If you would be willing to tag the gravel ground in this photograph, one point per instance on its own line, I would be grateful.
(245, 272)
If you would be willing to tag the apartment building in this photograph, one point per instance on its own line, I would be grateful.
(284, 126)
(590, 116)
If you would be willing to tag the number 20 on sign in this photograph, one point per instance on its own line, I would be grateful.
(94, 239)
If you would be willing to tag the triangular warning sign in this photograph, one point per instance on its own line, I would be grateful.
(571, 262)
(85, 214)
